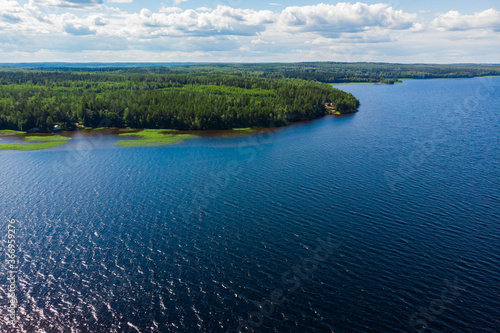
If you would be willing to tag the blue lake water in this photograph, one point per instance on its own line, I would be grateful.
(383, 221)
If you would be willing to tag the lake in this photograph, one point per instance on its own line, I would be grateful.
(382, 221)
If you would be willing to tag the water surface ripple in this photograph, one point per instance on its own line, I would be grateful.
(403, 196)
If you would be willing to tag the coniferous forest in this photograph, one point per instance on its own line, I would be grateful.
(159, 98)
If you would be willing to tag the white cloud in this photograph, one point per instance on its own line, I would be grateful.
(76, 4)
(345, 17)
(453, 20)
(98, 20)
(170, 10)
(78, 29)
(10, 12)
(221, 21)
(178, 2)
(259, 41)
(344, 32)
(325, 20)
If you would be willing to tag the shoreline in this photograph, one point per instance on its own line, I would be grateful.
(409, 78)
(122, 130)
(356, 83)
(141, 137)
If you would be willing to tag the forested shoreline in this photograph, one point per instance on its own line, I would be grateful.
(193, 96)
(151, 98)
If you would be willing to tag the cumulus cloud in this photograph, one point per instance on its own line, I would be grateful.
(325, 20)
(453, 20)
(10, 11)
(170, 9)
(10, 18)
(78, 29)
(345, 17)
(98, 20)
(221, 21)
(344, 31)
(76, 4)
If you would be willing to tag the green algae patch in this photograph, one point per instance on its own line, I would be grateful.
(10, 132)
(36, 143)
(26, 146)
(53, 138)
(246, 129)
(153, 138)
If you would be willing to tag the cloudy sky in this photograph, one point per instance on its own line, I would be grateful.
(408, 31)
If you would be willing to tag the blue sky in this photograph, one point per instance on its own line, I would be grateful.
(404, 31)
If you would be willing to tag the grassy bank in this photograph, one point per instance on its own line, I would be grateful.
(153, 138)
(53, 138)
(36, 143)
(26, 146)
(10, 132)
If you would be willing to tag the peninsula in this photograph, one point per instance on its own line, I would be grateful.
(44, 97)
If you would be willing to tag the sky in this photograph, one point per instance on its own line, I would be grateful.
(404, 31)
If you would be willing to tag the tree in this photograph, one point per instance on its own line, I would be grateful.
(50, 123)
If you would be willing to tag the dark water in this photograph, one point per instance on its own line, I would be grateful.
(384, 221)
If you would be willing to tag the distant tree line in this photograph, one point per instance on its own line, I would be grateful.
(336, 72)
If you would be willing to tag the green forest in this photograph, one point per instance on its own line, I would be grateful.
(336, 72)
(327, 72)
(156, 98)
(195, 96)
